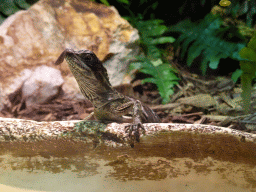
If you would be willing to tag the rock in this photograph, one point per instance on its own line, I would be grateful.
(1, 99)
(71, 89)
(19, 80)
(38, 35)
(43, 85)
(10, 93)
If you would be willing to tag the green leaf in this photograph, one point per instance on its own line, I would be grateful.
(214, 63)
(236, 54)
(214, 58)
(248, 53)
(151, 27)
(182, 26)
(154, 5)
(204, 66)
(135, 65)
(201, 38)
(149, 80)
(194, 51)
(8, 7)
(162, 75)
(157, 62)
(22, 3)
(124, 1)
(252, 43)
(105, 2)
(141, 57)
(248, 67)
(246, 80)
(236, 75)
(185, 45)
(162, 40)
(157, 30)
(153, 52)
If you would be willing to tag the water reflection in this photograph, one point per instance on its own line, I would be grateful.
(191, 159)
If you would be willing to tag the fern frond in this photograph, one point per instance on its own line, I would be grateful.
(194, 51)
(162, 75)
(201, 38)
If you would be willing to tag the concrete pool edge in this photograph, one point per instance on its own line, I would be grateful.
(28, 130)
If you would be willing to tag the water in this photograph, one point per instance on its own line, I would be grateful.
(166, 162)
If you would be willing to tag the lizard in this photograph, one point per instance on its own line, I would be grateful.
(109, 105)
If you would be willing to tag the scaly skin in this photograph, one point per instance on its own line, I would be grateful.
(109, 105)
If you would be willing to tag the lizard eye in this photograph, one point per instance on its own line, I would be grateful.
(87, 57)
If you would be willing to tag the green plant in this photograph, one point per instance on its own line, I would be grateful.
(161, 74)
(206, 38)
(151, 62)
(248, 67)
(151, 34)
(245, 8)
(9, 7)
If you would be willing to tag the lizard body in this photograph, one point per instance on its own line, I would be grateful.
(109, 105)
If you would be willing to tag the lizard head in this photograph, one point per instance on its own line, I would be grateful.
(84, 60)
(87, 69)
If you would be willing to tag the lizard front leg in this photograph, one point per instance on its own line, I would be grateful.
(134, 128)
(135, 109)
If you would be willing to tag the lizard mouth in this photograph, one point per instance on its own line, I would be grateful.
(75, 60)
(63, 55)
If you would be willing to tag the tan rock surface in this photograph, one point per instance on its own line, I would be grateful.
(37, 37)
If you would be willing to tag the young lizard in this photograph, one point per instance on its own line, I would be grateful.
(109, 105)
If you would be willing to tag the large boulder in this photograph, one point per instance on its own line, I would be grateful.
(42, 86)
(37, 37)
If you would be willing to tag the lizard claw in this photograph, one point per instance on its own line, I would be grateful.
(133, 131)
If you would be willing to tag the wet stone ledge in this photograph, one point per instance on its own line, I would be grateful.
(28, 130)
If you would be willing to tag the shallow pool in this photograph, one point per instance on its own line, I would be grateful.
(164, 162)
